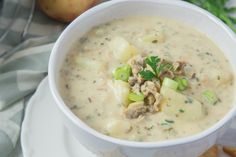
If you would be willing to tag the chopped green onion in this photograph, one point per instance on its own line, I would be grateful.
(210, 97)
(167, 82)
(136, 97)
(182, 83)
(122, 73)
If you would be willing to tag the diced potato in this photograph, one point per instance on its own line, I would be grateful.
(155, 38)
(121, 90)
(122, 49)
(88, 63)
(186, 107)
(116, 127)
(215, 77)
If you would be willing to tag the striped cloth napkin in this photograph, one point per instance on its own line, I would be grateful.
(26, 40)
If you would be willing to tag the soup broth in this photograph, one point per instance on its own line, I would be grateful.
(98, 88)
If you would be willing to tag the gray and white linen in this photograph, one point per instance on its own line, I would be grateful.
(24, 52)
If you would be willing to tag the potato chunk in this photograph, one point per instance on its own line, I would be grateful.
(122, 49)
(175, 103)
(216, 77)
(88, 63)
(121, 90)
(116, 127)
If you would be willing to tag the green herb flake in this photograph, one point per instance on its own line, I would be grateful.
(188, 100)
(163, 124)
(154, 41)
(169, 121)
(181, 111)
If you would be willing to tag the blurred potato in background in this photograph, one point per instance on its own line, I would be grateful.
(65, 10)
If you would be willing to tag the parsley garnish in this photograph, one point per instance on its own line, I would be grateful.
(156, 68)
(147, 74)
(164, 67)
(152, 61)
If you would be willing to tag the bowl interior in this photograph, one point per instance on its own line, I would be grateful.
(177, 10)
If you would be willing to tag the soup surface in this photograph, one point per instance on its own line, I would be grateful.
(147, 79)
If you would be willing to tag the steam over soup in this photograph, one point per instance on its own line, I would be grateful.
(147, 79)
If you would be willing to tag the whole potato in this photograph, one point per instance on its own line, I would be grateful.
(65, 10)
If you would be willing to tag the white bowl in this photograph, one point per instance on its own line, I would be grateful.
(178, 10)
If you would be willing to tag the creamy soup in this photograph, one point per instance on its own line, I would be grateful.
(147, 79)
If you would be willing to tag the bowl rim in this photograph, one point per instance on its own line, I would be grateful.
(154, 144)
